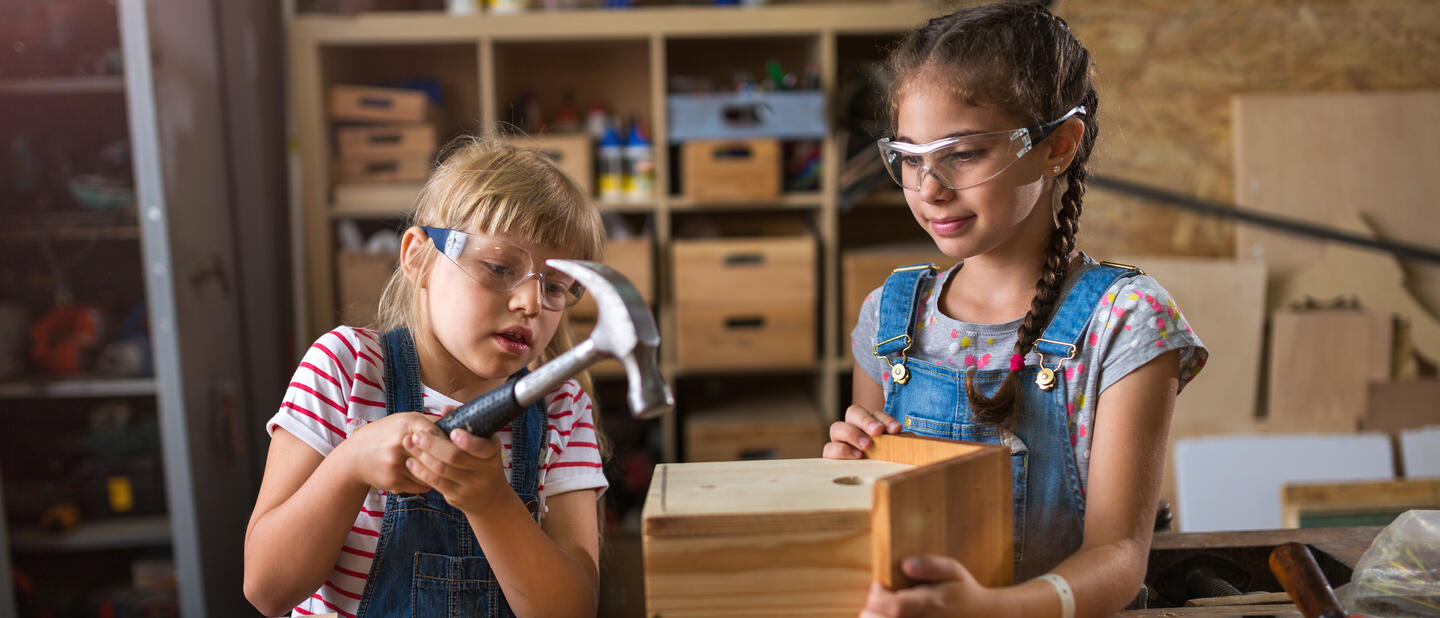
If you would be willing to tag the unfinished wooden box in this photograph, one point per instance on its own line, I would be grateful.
(775, 428)
(402, 167)
(571, 153)
(744, 302)
(385, 140)
(807, 536)
(731, 170)
(350, 103)
(634, 258)
(864, 270)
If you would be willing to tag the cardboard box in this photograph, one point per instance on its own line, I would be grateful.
(770, 428)
(634, 258)
(573, 154)
(745, 302)
(383, 168)
(370, 104)
(361, 279)
(863, 270)
(731, 170)
(807, 536)
(385, 140)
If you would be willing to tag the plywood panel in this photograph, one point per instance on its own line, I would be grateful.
(1321, 364)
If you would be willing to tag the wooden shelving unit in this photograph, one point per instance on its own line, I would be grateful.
(625, 56)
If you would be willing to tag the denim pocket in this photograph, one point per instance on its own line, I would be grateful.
(444, 586)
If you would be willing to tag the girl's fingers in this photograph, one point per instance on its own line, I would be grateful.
(839, 450)
(849, 433)
(873, 423)
(932, 568)
(476, 446)
(891, 425)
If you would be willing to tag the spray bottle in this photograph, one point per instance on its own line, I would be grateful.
(611, 166)
(639, 166)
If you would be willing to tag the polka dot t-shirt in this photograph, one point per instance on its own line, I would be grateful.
(1137, 321)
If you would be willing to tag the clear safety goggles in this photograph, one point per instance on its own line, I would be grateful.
(502, 266)
(965, 161)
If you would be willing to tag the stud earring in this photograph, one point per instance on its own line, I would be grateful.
(1055, 169)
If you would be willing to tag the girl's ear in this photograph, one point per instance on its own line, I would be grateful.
(410, 246)
(1063, 142)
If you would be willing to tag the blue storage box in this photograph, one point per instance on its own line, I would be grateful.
(792, 114)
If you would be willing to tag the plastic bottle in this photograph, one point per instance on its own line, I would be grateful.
(611, 166)
(639, 166)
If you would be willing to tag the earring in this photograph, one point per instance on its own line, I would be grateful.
(1055, 169)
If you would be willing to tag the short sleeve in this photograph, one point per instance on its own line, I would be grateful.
(862, 338)
(315, 407)
(571, 461)
(1138, 321)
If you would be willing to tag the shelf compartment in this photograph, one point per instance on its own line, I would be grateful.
(107, 84)
(77, 388)
(120, 533)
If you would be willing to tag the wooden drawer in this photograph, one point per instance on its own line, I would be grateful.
(385, 140)
(770, 428)
(807, 536)
(731, 170)
(383, 168)
(744, 272)
(361, 277)
(371, 104)
(634, 258)
(864, 270)
(745, 337)
(573, 154)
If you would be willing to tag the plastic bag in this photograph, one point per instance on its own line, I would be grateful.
(1400, 574)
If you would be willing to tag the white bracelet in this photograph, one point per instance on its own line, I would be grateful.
(1067, 596)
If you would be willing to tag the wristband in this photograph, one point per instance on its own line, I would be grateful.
(1067, 596)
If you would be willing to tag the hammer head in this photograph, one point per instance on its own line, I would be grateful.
(626, 331)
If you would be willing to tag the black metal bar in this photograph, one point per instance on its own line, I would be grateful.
(1283, 224)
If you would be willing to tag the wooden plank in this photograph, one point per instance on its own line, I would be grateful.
(1233, 610)
(1254, 598)
(1386, 176)
(959, 507)
(1402, 404)
(908, 448)
(1345, 544)
(1321, 364)
(1298, 500)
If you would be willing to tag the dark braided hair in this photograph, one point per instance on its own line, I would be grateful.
(1022, 59)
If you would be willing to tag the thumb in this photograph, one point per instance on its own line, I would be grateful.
(933, 568)
(477, 446)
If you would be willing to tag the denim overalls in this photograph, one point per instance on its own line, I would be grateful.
(1049, 504)
(427, 562)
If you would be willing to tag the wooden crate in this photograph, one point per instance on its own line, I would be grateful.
(361, 278)
(383, 168)
(774, 428)
(385, 140)
(1362, 503)
(731, 170)
(807, 536)
(866, 269)
(634, 258)
(744, 302)
(573, 154)
(370, 104)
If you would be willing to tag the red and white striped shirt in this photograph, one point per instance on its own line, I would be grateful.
(340, 386)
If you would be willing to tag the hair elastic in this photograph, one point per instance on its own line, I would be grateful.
(1017, 362)
(1067, 596)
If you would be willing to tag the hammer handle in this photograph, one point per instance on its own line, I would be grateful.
(1296, 569)
(486, 414)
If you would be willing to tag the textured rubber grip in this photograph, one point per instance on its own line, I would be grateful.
(486, 414)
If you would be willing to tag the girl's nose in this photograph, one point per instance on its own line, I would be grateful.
(526, 296)
(931, 189)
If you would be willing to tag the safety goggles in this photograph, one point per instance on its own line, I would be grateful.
(964, 161)
(502, 266)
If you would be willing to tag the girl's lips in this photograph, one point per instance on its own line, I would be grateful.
(511, 345)
(949, 227)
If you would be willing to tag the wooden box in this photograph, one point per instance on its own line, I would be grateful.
(402, 167)
(864, 270)
(371, 104)
(807, 536)
(361, 277)
(573, 154)
(744, 302)
(731, 170)
(385, 140)
(634, 258)
(783, 428)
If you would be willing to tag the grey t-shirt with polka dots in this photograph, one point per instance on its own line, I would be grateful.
(1137, 321)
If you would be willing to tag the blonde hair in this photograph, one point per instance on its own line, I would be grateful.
(486, 187)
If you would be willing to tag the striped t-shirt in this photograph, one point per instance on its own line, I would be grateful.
(339, 387)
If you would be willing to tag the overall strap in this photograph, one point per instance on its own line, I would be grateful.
(403, 392)
(528, 442)
(1062, 336)
(898, 304)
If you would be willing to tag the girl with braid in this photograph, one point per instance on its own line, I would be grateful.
(1071, 363)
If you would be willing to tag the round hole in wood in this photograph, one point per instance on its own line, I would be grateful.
(847, 480)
